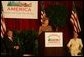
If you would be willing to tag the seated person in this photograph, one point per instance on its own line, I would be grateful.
(75, 45)
(11, 48)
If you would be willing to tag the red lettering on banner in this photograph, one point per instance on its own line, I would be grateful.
(19, 9)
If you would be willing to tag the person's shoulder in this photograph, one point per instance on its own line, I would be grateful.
(71, 39)
(49, 26)
(6, 38)
(79, 39)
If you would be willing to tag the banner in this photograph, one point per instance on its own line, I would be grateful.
(20, 9)
(53, 39)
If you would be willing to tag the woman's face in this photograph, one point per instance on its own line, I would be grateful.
(75, 35)
(45, 21)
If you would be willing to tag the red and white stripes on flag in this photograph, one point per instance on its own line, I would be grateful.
(43, 14)
(75, 22)
(3, 26)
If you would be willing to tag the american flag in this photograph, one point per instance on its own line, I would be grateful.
(43, 14)
(3, 26)
(74, 20)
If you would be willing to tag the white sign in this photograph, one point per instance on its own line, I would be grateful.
(53, 39)
(20, 9)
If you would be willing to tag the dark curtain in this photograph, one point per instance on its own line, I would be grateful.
(22, 24)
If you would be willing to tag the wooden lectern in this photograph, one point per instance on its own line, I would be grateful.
(48, 51)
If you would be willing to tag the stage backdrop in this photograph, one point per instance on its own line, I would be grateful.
(33, 24)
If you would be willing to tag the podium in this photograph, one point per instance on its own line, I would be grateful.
(48, 51)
